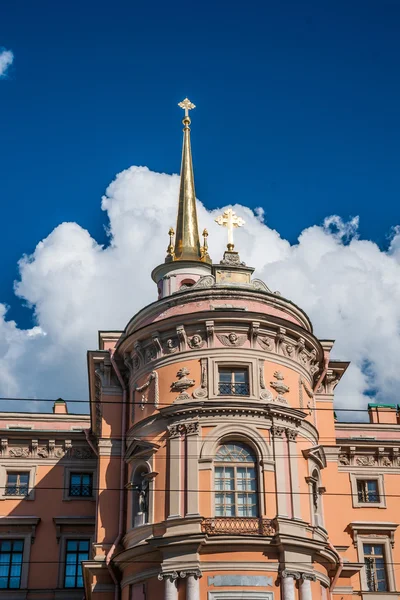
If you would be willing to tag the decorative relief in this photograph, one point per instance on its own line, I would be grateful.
(171, 346)
(202, 391)
(277, 431)
(260, 286)
(344, 460)
(265, 393)
(50, 451)
(280, 387)
(291, 434)
(365, 461)
(310, 394)
(207, 281)
(181, 429)
(386, 458)
(181, 333)
(182, 384)
(254, 330)
(210, 333)
(266, 343)
(144, 399)
(196, 341)
(232, 339)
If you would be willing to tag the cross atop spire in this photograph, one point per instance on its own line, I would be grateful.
(186, 105)
(231, 221)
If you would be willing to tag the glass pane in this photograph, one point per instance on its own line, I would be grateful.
(79, 582)
(12, 477)
(70, 582)
(86, 479)
(4, 559)
(72, 545)
(24, 478)
(240, 376)
(70, 570)
(15, 570)
(84, 545)
(367, 549)
(5, 546)
(4, 570)
(75, 478)
(3, 583)
(225, 376)
(70, 559)
(14, 583)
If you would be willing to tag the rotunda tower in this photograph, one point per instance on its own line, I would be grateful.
(221, 462)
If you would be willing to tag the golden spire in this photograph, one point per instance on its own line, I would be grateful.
(187, 243)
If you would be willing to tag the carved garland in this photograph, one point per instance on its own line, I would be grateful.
(152, 377)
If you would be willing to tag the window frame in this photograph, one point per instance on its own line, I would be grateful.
(81, 474)
(355, 478)
(240, 595)
(63, 555)
(18, 484)
(235, 492)
(18, 467)
(376, 540)
(76, 564)
(70, 470)
(12, 540)
(27, 539)
(233, 383)
(236, 361)
(371, 556)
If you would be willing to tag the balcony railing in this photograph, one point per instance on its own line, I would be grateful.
(237, 526)
(234, 389)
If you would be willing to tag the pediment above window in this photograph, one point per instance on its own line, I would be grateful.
(142, 449)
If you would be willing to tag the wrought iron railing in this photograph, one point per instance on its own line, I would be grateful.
(238, 526)
(80, 489)
(16, 490)
(234, 389)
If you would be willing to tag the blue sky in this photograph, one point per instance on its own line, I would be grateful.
(297, 111)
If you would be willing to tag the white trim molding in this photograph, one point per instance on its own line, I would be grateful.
(375, 533)
(355, 477)
(240, 595)
(20, 466)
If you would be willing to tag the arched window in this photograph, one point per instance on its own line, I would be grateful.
(235, 481)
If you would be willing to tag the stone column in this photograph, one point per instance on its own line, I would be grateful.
(291, 435)
(287, 583)
(193, 585)
(174, 472)
(192, 469)
(305, 586)
(170, 589)
(280, 452)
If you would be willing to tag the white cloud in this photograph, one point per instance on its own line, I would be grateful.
(6, 59)
(348, 286)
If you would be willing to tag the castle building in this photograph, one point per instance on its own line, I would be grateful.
(211, 466)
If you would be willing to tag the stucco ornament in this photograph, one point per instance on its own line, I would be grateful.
(182, 384)
(171, 346)
(366, 461)
(266, 343)
(196, 341)
(232, 339)
(344, 460)
(279, 386)
(144, 399)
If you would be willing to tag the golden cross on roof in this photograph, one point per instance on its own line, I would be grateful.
(230, 220)
(186, 105)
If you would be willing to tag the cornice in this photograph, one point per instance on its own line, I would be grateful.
(223, 292)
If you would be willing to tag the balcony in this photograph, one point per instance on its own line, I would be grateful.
(237, 526)
(233, 389)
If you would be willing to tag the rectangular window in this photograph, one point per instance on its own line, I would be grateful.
(374, 558)
(76, 551)
(81, 485)
(235, 492)
(17, 484)
(233, 382)
(10, 564)
(367, 490)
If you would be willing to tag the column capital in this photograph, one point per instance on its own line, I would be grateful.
(308, 577)
(286, 573)
(291, 434)
(170, 576)
(196, 573)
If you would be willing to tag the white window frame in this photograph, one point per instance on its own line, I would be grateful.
(355, 477)
(236, 362)
(18, 467)
(240, 595)
(381, 540)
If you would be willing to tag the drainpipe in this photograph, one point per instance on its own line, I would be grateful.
(121, 479)
(339, 569)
